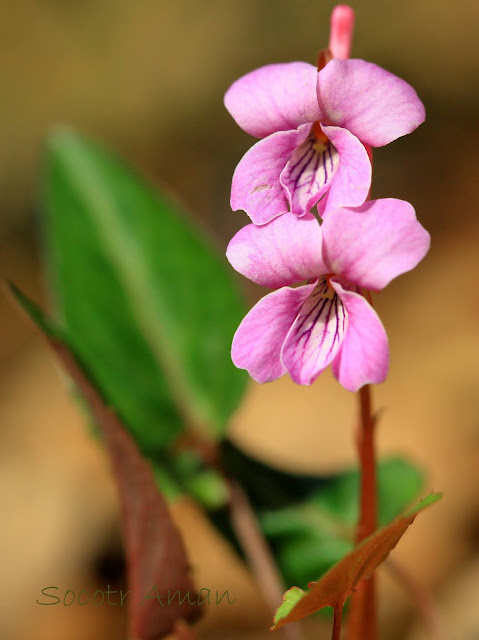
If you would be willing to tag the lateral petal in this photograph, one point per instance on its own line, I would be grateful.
(256, 186)
(258, 340)
(352, 180)
(364, 354)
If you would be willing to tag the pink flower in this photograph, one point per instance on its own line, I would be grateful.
(304, 329)
(315, 126)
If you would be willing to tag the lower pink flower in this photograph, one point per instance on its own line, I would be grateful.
(302, 330)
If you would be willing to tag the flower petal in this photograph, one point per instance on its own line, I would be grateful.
(352, 180)
(256, 187)
(258, 340)
(277, 97)
(316, 335)
(373, 244)
(375, 105)
(308, 174)
(283, 252)
(364, 354)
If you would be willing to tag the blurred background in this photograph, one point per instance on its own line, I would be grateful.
(147, 78)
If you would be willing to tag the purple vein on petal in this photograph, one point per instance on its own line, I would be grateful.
(307, 176)
(316, 335)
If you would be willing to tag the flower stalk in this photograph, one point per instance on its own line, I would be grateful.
(366, 449)
(337, 620)
(316, 129)
(363, 614)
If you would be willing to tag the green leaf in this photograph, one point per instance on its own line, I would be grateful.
(167, 485)
(203, 483)
(290, 600)
(33, 311)
(165, 480)
(276, 488)
(432, 498)
(309, 537)
(333, 588)
(399, 482)
(175, 474)
(145, 299)
(209, 489)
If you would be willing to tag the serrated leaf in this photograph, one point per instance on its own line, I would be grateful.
(145, 299)
(336, 585)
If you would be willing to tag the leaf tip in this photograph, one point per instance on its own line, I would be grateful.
(290, 599)
(59, 139)
(429, 500)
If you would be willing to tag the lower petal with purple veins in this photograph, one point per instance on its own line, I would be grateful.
(352, 180)
(309, 173)
(316, 335)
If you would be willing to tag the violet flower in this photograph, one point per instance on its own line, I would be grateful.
(315, 126)
(327, 321)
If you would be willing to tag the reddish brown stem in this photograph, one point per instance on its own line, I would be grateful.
(368, 500)
(259, 555)
(337, 619)
(362, 623)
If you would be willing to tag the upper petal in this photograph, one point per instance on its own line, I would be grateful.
(315, 336)
(277, 97)
(285, 251)
(374, 243)
(352, 181)
(258, 340)
(375, 105)
(364, 354)
(256, 187)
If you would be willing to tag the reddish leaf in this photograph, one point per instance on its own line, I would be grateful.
(162, 591)
(336, 585)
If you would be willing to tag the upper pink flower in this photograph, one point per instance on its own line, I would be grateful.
(315, 126)
(304, 329)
